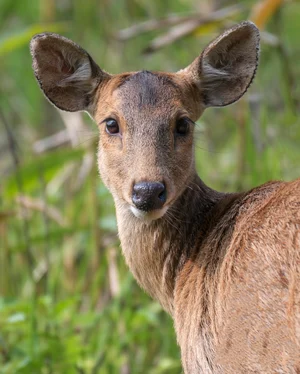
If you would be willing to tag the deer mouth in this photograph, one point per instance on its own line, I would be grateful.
(151, 215)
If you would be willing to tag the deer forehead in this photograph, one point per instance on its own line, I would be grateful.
(147, 89)
(144, 98)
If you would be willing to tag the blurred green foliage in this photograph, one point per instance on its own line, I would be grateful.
(67, 301)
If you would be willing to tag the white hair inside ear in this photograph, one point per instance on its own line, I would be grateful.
(66, 73)
(227, 66)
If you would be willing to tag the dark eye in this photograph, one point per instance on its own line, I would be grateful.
(112, 126)
(182, 126)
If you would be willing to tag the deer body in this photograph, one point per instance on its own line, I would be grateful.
(241, 291)
(226, 267)
(235, 300)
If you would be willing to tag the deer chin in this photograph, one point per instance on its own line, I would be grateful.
(148, 216)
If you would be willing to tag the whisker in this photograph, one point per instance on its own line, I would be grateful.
(172, 214)
(170, 223)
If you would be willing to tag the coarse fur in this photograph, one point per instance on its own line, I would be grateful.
(226, 267)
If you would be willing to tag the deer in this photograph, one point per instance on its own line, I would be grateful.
(225, 266)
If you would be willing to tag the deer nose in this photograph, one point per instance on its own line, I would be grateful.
(148, 196)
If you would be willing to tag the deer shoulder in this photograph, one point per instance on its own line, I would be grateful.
(240, 294)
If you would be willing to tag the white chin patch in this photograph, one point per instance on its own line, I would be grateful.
(148, 216)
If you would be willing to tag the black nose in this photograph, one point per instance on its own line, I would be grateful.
(149, 195)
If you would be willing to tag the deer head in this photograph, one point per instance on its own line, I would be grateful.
(146, 119)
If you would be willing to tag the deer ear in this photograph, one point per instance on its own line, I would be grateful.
(65, 72)
(226, 68)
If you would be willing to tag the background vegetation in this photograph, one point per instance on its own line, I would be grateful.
(67, 301)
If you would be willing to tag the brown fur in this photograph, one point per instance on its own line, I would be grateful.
(225, 266)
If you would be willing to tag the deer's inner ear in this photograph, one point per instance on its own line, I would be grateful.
(66, 73)
(227, 66)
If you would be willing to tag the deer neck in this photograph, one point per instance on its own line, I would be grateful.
(156, 251)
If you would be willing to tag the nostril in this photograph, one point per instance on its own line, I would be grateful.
(163, 195)
(148, 196)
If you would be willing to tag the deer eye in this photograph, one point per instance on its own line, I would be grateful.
(112, 126)
(182, 126)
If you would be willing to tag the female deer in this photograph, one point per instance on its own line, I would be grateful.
(227, 268)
